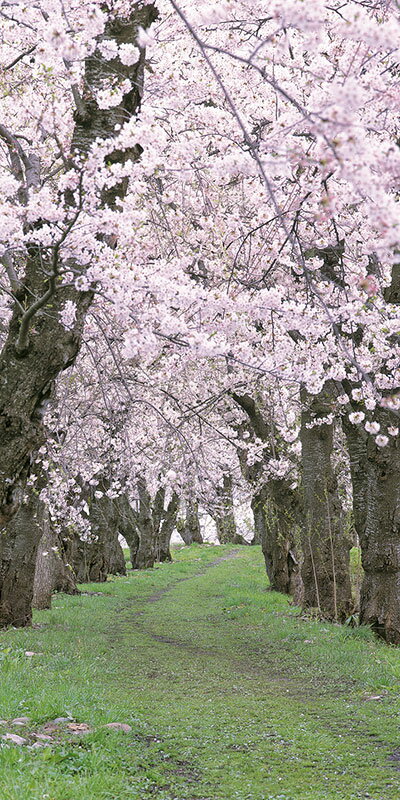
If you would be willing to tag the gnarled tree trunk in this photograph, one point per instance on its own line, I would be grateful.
(375, 475)
(326, 550)
(53, 573)
(189, 528)
(224, 515)
(275, 508)
(19, 543)
(127, 526)
(30, 364)
(146, 552)
(276, 511)
(166, 529)
(380, 544)
(103, 555)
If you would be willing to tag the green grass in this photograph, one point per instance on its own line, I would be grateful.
(230, 693)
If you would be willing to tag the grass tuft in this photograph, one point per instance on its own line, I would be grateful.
(229, 692)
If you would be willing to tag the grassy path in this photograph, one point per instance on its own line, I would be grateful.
(229, 693)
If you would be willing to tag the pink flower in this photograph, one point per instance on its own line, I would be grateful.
(372, 427)
(369, 285)
(381, 440)
(356, 417)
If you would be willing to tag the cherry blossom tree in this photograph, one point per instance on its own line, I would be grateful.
(64, 177)
(239, 237)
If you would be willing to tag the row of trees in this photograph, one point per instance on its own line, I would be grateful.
(64, 559)
(200, 286)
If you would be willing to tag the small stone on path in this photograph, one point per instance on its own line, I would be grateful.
(50, 727)
(14, 738)
(37, 745)
(60, 720)
(42, 737)
(119, 726)
(20, 721)
(79, 727)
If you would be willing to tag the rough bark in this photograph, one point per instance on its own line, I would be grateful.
(258, 509)
(375, 474)
(142, 528)
(380, 542)
(19, 543)
(326, 559)
(31, 361)
(127, 526)
(276, 511)
(148, 529)
(146, 552)
(224, 515)
(53, 573)
(356, 438)
(103, 555)
(166, 529)
(89, 562)
(256, 539)
(114, 555)
(189, 528)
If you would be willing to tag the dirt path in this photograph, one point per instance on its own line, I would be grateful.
(224, 692)
(225, 681)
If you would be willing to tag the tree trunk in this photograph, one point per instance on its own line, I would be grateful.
(52, 572)
(166, 529)
(146, 552)
(104, 521)
(89, 562)
(65, 578)
(276, 511)
(274, 505)
(18, 548)
(114, 554)
(29, 364)
(102, 556)
(258, 509)
(375, 473)
(256, 540)
(46, 566)
(224, 516)
(189, 529)
(127, 526)
(326, 559)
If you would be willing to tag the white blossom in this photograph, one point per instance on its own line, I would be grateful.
(356, 416)
(129, 54)
(372, 427)
(68, 315)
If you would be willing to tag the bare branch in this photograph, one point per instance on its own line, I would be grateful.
(21, 56)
